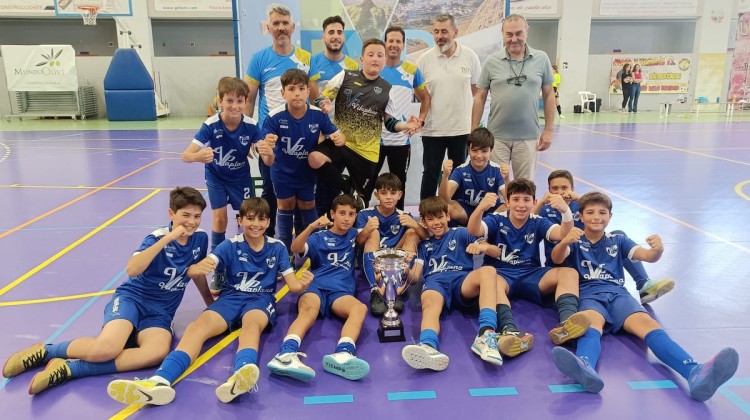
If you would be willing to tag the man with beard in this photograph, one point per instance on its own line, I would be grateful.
(514, 76)
(451, 72)
(323, 67)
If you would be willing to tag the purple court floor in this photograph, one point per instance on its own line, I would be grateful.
(75, 204)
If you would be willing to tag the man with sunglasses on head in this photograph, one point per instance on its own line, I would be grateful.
(514, 76)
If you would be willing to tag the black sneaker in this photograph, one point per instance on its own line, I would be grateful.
(377, 304)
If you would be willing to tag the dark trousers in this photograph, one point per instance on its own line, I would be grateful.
(398, 164)
(625, 94)
(269, 195)
(432, 160)
(325, 193)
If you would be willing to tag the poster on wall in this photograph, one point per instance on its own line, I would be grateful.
(193, 6)
(663, 73)
(739, 76)
(40, 68)
(534, 7)
(648, 8)
(27, 8)
(710, 77)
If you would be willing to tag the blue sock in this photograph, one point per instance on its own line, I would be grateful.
(487, 320)
(57, 351)
(589, 347)
(346, 346)
(216, 239)
(367, 260)
(669, 352)
(308, 216)
(81, 369)
(173, 366)
(429, 337)
(245, 357)
(299, 221)
(634, 268)
(290, 344)
(284, 222)
(567, 305)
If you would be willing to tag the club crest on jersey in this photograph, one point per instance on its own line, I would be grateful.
(271, 262)
(404, 76)
(244, 140)
(196, 252)
(313, 127)
(491, 182)
(378, 90)
(452, 244)
(395, 229)
(529, 238)
(612, 250)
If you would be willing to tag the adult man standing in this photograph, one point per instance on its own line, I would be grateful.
(263, 79)
(514, 76)
(406, 81)
(451, 72)
(323, 67)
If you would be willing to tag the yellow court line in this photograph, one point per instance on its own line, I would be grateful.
(75, 200)
(657, 212)
(81, 240)
(738, 189)
(87, 187)
(665, 147)
(200, 361)
(56, 299)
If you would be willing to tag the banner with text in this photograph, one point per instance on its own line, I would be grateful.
(193, 6)
(27, 7)
(648, 8)
(40, 68)
(667, 73)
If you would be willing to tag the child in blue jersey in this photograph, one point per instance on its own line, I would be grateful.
(599, 257)
(331, 255)
(516, 234)
(470, 181)
(560, 182)
(450, 282)
(223, 144)
(252, 261)
(390, 228)
(296, 127)
(137, 329)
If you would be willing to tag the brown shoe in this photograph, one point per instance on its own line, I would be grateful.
(55, 373)
(571, 328)
(28, 358)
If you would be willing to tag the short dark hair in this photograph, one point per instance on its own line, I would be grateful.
(388, 181)
(344, 200)
(333, 19)
(521, 186)
(231, 84)
(561, 173)
(481, 138)
(372, 41)
(294, 77)
(432, 207)
(395, 29)
(257, 206)
(594, 197)
(182, 197)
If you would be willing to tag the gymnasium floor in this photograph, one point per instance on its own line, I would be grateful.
(79, 196)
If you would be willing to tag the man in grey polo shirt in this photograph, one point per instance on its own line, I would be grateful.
(514, 76)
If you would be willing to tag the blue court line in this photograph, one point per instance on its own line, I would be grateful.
(560, 389)
(412, 395)
(75, 316)
(735, 399)
(491, 392)
(665, 384)
(738, 382)
(329, 399)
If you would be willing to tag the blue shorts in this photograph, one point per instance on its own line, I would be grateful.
(129, 308)
(615, 307)
(303, 189)
(233, 306)
(221, 193)
(524, 282)
(327, 297)
(448, 284)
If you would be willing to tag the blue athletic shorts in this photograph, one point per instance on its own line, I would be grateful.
(327, 297)
(448, 284)
(124, 306)
(524, 282)
(615, 307)
(303, 189)
(221, 193)
(232, 306)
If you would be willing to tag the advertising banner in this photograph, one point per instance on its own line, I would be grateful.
(662, 73)
(40, 68)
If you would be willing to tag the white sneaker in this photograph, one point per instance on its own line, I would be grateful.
(422, 356)
(288, 364)
(242, 381)
(562, 116)
(485, 346)
(346, 365)
(140, 391)
(654, 289)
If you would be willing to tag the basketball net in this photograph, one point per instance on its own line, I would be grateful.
(89, 14)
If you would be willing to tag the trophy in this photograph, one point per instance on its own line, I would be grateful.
(391, 263)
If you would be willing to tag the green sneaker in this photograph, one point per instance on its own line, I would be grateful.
(653, 290)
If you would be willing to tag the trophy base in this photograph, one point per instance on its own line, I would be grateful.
(391, 334)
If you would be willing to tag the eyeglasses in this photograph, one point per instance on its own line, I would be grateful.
(516, 80)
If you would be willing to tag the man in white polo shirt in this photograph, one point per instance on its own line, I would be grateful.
(450, 72)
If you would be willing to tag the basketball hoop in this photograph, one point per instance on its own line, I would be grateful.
(88, 13)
